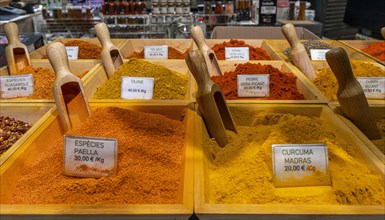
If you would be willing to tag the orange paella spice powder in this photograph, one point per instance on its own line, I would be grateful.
(150, 163)
(282, 84)
(377, 50)
(255, 53)
(172, 54)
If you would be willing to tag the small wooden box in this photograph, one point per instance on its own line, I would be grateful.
(137, 45)
(33, 113)
(358, 45)
(205, 210)
(280, 45)
(49, 131)
(77, 67)
(254, 43)
(39, 53)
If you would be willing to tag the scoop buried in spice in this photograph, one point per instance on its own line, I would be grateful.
(16, 52)
(208, 53)
(67, 89)
(210, 100)
(111, 57)
(298, 53)
(350, 94)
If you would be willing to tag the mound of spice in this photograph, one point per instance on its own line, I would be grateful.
(255, 53)
(172, 54)
(86, 50)
(150, 164)
(310, 45)
(282, 84)
(327, 83)
(380, 143)
(377, 50)
(10, 131)
(241, 172)
(168, 84)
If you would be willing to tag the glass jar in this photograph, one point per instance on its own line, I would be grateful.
(301, 13)
(163, 8)
(155, 8)
(170, 8)
(186, 8)
(179, 8)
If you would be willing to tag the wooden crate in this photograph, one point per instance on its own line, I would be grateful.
(280, 45)
(358, 45)
(137, 45)
(99, 76)
(204, 210)
(33, 113)
(77, 67)
(254, 43)
(317, 65)
(304, 85)
(50, 131)
(39, 53)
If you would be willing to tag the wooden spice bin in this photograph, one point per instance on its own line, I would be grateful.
(132, 46)
(253, 43)
(358, 45)
(77, 67)
(304, 85)
(33, 113)
(99, 76)
(206, 210)
(50, 131)
(280, 45)
(39, 53)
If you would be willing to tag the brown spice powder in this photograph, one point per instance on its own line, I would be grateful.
(255, 53)
(86, 50)
(150, 164)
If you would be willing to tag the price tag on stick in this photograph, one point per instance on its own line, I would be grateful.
(16, 86)
(90, 156)
(300, 165)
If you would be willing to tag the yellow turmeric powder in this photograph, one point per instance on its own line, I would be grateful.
(380, 143)
(327, 83)
(241, 172)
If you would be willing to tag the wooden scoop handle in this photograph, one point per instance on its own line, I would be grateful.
(12, 32)
(199, 38)
(103, 35)
(57, 56)
(383, 32)
(197, 65)
(288, 31)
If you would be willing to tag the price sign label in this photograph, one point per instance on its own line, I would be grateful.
(137, 87)
(90, 156)
(72, 52)
(300, 165)
(156, 52)
(255, 85)
(374, 87)
(318, 54)
(268, 9)
(16, 86)
(237, 53)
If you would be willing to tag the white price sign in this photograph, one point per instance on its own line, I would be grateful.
(90, 156)
(72, 52)
(254, 85)
(156, 52)
(318, 54)
(374, 87)
(16, 86)
(137, 87)
(300, 165)
(237, 53)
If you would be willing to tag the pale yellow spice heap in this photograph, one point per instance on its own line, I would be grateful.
(241, 172)
(327, 83)
(168, 84)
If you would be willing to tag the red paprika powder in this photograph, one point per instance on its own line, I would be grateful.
(377, 50)
(282, 84)
(255, 53)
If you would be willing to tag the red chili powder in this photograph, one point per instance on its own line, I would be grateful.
(282, 84)
(377, 50)
(255, 53)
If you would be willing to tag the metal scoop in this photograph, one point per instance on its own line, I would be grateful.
(298, 53)
(208, 53)
(111, 57)
(350, 94)
(210, 100)
(16, 52)
(67, 89)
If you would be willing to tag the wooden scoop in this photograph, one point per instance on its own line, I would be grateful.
(298, 53)
(350, 94)
(16, 52)
(208, 53)
(111, 57)
(383, 32)
(67, 89)
(210, 100)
